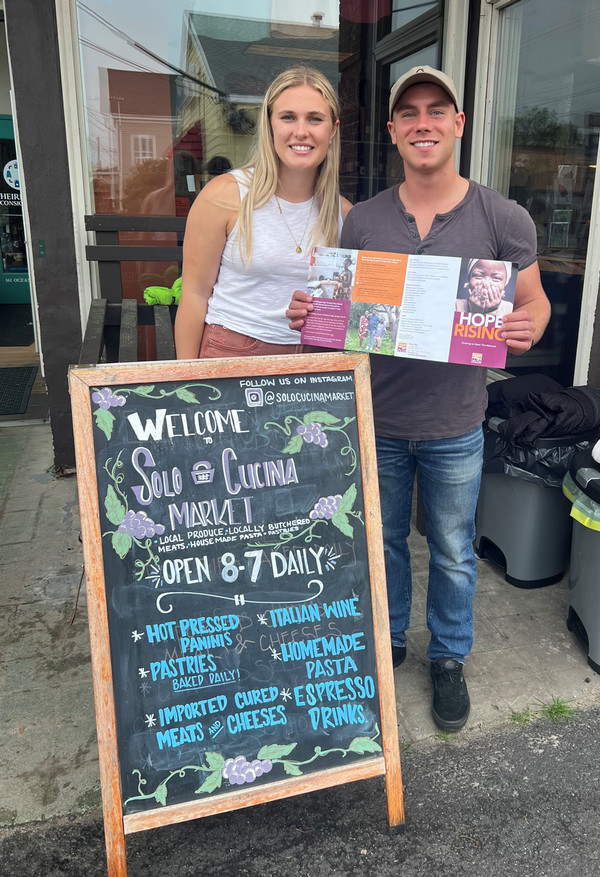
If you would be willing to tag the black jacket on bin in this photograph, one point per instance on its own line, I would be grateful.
(535, 406)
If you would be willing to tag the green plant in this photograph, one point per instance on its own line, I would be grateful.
(444, 736)
(522, 718)
(557, 710)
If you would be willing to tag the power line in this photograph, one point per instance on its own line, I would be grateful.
(176, 69)
(134, 44)
(90, 45)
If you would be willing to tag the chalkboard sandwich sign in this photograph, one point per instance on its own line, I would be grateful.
(236, 586)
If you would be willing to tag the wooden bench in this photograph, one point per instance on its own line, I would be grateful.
(111, 332)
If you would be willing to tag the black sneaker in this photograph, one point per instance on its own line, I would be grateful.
(451, 704)
(398, 655)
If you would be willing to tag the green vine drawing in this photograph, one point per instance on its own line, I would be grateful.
(106, 398)
(324, 422)
(313, 429)
(340, 519)
(131, 524)
(216, 767)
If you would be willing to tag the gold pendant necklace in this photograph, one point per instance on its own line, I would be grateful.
(281, 213)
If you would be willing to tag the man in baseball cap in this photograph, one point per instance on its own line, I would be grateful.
(428, 414)
(422, 74)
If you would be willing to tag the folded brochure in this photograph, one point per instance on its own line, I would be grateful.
(439, 308)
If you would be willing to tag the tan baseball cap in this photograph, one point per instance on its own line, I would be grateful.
(422, 74)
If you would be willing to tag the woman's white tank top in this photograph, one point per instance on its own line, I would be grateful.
(254, 300)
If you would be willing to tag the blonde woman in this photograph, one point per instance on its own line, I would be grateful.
(249, 233)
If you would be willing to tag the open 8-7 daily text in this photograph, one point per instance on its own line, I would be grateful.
(438, 308)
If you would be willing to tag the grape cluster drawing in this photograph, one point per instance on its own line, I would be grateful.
(139, 525)
(239, 770)
(131, 527)
(315, 428)
(312, 432)
(326, 508)
(105, 399)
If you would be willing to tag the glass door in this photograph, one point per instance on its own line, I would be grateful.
(543, 153)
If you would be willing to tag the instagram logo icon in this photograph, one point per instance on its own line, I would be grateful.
(254, 397)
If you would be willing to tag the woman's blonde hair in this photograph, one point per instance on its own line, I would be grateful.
(264, 163)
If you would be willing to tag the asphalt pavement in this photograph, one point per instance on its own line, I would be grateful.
(523, 803)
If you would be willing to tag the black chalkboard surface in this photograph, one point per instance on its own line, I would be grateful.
(232, 530)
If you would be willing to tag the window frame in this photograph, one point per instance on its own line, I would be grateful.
(138, 157)
(450, 29)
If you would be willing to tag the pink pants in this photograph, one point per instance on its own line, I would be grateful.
(217, 342)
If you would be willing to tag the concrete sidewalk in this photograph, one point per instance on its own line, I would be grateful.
(523, 654)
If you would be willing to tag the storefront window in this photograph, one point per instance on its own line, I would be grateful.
(172, 93)
(544, 150)
(172, 90)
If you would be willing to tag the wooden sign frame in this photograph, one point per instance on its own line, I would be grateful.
(117, 825)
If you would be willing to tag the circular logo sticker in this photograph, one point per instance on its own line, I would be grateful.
(11, 174)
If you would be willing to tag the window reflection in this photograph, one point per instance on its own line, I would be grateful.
(150, 102)
(172, 95)
(406, 11)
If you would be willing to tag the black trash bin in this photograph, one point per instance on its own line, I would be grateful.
(582, 487)
(523, 519)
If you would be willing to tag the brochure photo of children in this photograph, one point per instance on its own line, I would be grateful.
(331, 273)
(486, 286)
(372, 328)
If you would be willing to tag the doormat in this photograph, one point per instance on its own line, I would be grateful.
(16, 325)
(15, 389)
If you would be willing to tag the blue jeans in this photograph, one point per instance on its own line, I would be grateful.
(449, 477)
